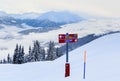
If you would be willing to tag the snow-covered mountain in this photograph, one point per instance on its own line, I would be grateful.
(9, 35)
(3, 14)
(25, 15)
(55, 16)
(60, 17)
(48, 19)
(102, 64)
(46, 27)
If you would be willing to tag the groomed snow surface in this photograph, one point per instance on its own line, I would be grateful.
(102, 64)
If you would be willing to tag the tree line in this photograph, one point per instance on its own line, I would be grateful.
(35, 53)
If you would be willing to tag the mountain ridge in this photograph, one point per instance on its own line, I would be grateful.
(48, 19)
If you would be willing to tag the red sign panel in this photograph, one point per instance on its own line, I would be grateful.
(70, 38)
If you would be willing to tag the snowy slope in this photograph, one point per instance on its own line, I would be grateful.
(102, 64)
(83, 28)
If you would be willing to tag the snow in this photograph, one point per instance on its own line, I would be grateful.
(102, 64)
(83, 28)
(55, 16)
(29, 15)
(61, 17)
(3, 14)
(9, 37)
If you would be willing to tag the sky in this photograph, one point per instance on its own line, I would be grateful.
(109, 8)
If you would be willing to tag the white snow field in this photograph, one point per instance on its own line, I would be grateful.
(103, 57)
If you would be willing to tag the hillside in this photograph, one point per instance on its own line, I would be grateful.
(102, 64)
(9, 35)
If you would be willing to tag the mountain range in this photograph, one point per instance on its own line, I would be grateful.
(13, 30)
(49, 19)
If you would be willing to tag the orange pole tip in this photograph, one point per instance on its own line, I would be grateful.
(84, 56)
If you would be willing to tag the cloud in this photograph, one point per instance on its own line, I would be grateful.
(100, 7)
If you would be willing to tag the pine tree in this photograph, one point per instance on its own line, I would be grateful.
(58, 52)
(18, 57)
(28, 58)
(21, 55)
(43, 54)
(9, 60)
(30, 50)
(51, 54)
(37, 53)
(16, 54)
(1, 61)
(4, 61)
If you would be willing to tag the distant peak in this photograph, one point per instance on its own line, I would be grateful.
(60, 16)
(2, 13)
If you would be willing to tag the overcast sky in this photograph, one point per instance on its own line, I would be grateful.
(100, 7)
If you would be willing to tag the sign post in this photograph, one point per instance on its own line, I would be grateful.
(67, 41)
(67, 38)
(67, 64)
(67, 59)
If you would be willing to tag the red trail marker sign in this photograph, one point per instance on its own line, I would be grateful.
(67, 38)
(70, 38)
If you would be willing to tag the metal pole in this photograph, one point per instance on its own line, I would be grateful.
(67, 59)
(84, 70)
(67, 65)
